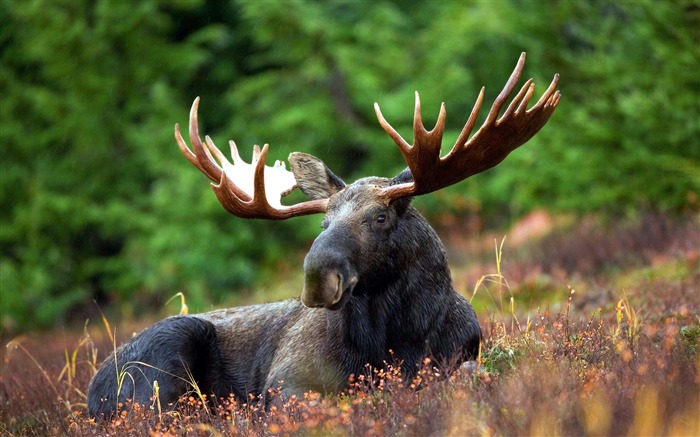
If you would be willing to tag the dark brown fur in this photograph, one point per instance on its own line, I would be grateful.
(376, 279)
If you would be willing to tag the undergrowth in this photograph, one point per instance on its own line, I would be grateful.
(628, 367)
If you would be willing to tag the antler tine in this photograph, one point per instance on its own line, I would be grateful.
(206, 163)
(259, 193)
(550, 96)
(213, 151)
(234, 152)
(429, 140)
(184, 149)
(426, 143)
(507, 91)
(520, 100)
(471, 121)
(398, 139)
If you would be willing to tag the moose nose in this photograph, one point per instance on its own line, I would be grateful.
(329, 275)
(326, 289)
(320, 290)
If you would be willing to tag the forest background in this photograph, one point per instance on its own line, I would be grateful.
(97, 204)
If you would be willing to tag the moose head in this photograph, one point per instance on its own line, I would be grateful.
(370, 207)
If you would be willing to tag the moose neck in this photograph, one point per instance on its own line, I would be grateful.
(397, 306)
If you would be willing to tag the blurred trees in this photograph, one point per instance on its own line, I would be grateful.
(96, 201)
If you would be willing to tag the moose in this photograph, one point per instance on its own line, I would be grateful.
(377, 286)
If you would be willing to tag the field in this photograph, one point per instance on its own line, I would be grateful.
(589, 328)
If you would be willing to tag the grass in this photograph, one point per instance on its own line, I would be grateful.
(615, 353)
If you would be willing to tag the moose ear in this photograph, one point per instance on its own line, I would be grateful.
(313, 177)
(401, 204)
(402, 178)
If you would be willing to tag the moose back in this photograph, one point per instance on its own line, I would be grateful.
(377, 287)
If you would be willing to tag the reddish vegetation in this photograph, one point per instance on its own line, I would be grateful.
(621, 357)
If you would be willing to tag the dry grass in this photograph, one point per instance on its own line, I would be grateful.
(628, 366)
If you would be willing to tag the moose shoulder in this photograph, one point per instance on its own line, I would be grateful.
(377, 287)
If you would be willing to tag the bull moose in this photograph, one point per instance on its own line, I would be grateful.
(377, 286)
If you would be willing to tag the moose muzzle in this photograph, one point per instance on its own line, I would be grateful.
(329, 277)
(327, 289)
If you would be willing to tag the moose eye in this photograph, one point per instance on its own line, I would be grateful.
(381, 218)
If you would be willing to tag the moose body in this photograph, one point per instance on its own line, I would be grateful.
(403, 302)
(377, 287)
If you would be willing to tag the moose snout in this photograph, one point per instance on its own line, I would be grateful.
(329, 274)
(326, 289)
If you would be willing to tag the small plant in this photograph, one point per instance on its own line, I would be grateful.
(629, 321)
(69, 394)
(184, 309)
(690, 338)
(502, 284)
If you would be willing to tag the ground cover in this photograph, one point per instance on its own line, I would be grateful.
(573, 345)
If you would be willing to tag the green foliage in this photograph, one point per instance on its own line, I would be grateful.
(628, 134)
(500, 359)
(97, 203)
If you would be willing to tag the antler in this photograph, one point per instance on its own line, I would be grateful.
(488, 147)
(246, 190)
